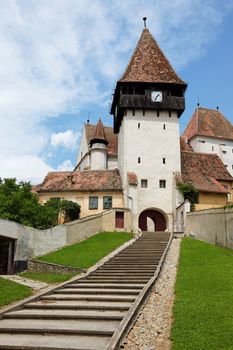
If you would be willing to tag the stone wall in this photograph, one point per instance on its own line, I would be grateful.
(31, 242)
(212, 225)
(41, 266)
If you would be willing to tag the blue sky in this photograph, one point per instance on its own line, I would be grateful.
(60, 60)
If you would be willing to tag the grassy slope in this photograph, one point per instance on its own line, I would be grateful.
(11, 292)
(47, 277)
(203, 310)
(87, 253)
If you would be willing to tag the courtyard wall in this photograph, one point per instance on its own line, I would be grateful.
(211, 225)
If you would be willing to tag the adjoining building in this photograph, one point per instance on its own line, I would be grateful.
(210, 132)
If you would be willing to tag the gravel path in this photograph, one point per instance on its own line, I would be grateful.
(152, 328)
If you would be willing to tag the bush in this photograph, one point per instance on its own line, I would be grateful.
(19, 204)
(189, 192)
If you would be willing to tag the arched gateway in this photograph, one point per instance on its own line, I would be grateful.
(158, 219)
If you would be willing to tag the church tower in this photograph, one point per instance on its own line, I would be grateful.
(147, 104)
(98, 149)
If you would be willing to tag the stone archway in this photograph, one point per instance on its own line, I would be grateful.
(156, 216)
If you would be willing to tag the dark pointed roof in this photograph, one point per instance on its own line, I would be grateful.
(210, 123)
(99, 134)
(148, 64)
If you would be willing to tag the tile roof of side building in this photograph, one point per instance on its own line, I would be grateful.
(88, 180)
(148, 63)
(112, 147)
(204, 171)
(209, 123)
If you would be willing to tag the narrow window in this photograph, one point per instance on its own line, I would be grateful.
(202, 141)
(144, 183)
(164, 126)
(224, 152)
(139, 125)
(93, 202)
(164, 160)
(170, 114)
(107, 202)
(81, 154)
(212, 148)
(225, 165)
(133, 111)
(144, 112)
(162, 183)
(139, 160)
(157, 113)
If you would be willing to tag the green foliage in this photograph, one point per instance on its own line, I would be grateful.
(71, 209)
(88, 252)
(203, 307)
(189, 192)
(19, 204)
(11, 292)
(48, 277)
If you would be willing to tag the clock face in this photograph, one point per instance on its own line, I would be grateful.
(156, 96)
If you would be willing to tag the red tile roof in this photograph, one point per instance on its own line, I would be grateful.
(89, 180)
(112, 147)
(99, 134)
(204, 171)
(132, 179)
(149, 64)
(184, 144)
(210, 123)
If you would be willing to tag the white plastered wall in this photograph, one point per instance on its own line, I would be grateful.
(150, 138)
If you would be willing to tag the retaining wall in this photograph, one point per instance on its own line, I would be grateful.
(31, 242)
(212, 225)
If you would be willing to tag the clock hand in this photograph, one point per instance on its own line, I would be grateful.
(156, 96)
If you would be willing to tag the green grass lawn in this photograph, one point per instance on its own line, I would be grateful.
(203, 309)
(11, 292)
(48, 277)
(88, 252)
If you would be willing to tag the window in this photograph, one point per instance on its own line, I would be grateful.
(225, 165)
(157, 113)
(164, 126)
(170, 114)
(144, 113)
(107, 202)
(139, 125)
(224, 152)
(164, 160)
(144, 183)
(202, 141)
(162, 183)
(139, 160)
(93, 202)
(212, 148)
(133, 111)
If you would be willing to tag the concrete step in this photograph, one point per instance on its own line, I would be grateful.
(79, 304)
(104, 285)
(97, 291)
(106, 328)
(66, 314)
(52, 342)
(91, 297)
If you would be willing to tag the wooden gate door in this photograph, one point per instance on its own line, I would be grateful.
(119, 219)
(6, 255)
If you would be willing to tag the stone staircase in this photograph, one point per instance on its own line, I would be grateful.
(86, 313)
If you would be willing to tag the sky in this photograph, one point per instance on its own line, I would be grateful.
(60, 60)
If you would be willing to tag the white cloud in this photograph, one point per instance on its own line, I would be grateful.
(60, 56)
(66, 165)
(67, 139)
(14, 166)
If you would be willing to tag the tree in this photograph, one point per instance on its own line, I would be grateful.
(189, 192)
(69, 208)
(20, 204)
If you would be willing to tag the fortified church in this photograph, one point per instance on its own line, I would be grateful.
(137, 164)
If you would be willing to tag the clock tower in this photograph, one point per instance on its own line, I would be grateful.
(147, 104)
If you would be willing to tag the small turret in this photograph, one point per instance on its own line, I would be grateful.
(98, 146)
